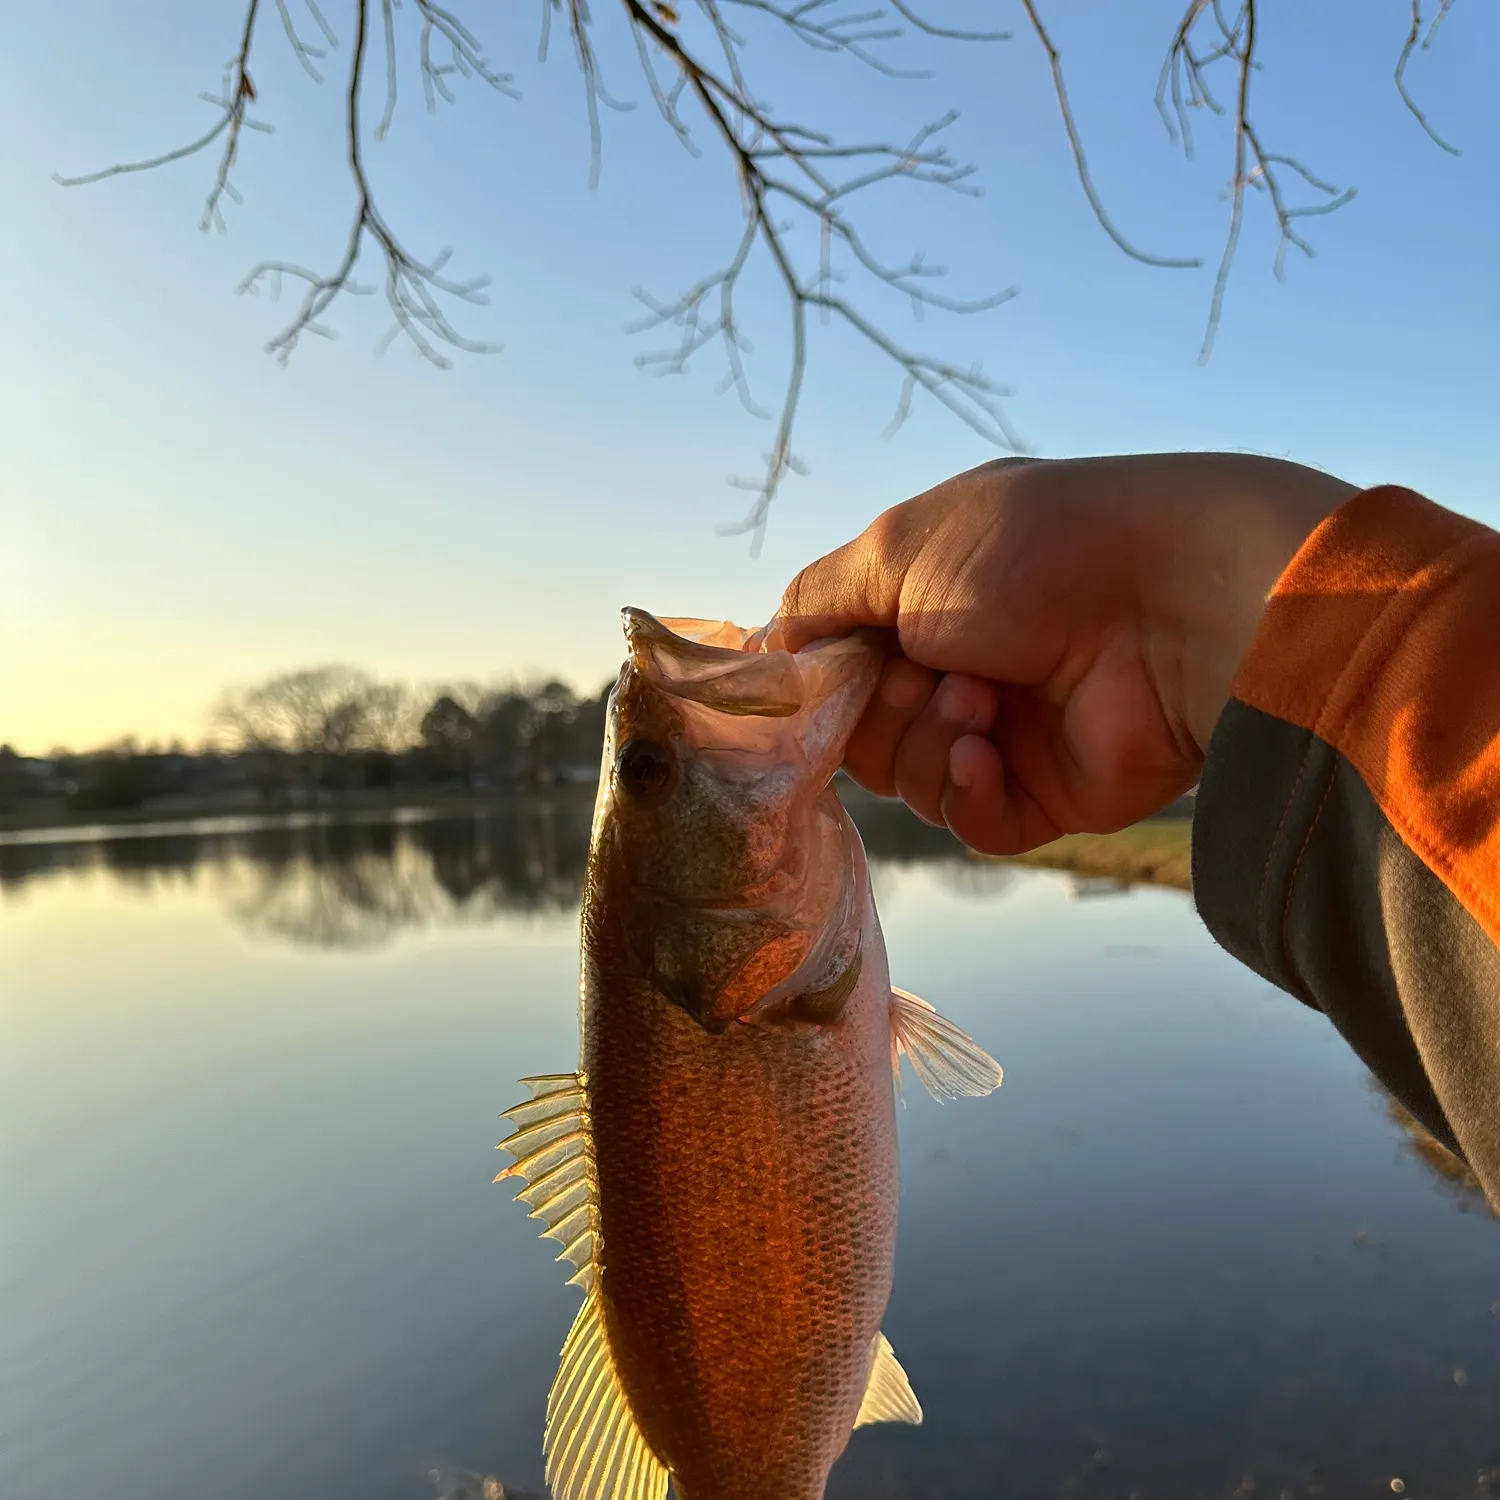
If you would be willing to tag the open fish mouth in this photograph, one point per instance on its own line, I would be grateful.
(711, 662)
(739, 671)
(734, 860)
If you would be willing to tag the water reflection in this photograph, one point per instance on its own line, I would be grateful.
(356, 884)
(355, 887)
(250, 1248)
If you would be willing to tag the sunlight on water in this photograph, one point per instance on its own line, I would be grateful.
(249, 1248)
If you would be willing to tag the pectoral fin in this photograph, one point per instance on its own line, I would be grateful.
(889, 1396)
(950, 1064)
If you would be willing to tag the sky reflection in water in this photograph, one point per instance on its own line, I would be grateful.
(249, 1248)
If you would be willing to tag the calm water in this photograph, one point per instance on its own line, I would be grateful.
(249, 1247)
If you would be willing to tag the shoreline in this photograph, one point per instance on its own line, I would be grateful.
(1153, 852)
(183, 814)
(1157, 851)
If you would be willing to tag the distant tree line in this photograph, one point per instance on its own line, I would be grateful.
(316, 736)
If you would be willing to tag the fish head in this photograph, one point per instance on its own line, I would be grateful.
(736, 876)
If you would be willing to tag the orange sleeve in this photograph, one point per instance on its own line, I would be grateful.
(1383, 639)
(1346, 838)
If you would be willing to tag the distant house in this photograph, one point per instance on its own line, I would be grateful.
(44, 778)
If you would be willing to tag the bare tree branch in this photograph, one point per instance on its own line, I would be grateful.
(781, 165)
(1184, 79)
(466, 56)
(1406, 52)
(308, 56)
(595, 93)
(412, 287)
(237, 94)
(1080, 161)
(388, 17)
(1444, 7)
(1246, 57)
(819, 25)
(904, 10)
(800, 187)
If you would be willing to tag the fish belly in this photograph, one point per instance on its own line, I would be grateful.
(747, 1190)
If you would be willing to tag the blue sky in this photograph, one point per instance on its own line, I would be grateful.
(178, 513)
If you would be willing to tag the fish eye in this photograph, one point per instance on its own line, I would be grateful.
(643, 768)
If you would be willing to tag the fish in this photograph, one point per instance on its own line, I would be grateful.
(721, 1169)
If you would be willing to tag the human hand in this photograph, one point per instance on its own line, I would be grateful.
(1065, 632)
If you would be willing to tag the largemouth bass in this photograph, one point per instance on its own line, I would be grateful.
(721, 1169)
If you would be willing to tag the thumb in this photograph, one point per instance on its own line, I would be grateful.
(856, 584)
(861, 582)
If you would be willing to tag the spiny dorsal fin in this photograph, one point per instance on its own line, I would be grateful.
(554, 1158)
(889, 1396)
(593, 1448)
(950, 1064)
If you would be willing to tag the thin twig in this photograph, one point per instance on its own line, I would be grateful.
(782, 163)
(1237, 188)
(853, 34)
(1406, 52)
(237, 95)
(791, 177)
(1184, 80)
(305, 54)
(388, 15)
(411, 286)
(932, 29)
(1080, 161)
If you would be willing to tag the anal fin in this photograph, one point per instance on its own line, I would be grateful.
(950, 1064)
(889, 1396)
(593, 1448)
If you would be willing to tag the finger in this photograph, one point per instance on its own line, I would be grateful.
(961, 705)
(870, 757)
(985, 808)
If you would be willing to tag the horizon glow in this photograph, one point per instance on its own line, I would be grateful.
(182, 515)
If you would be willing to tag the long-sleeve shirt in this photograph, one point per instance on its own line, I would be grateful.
(1346, 840)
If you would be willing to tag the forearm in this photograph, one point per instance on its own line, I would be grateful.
(1347, 840)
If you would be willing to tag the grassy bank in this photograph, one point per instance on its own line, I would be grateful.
(1156, 852)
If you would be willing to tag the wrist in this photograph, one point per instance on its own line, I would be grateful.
(1237, 524)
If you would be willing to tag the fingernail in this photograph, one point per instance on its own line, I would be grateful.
(958, 774)
(955, 702)
(902, 690)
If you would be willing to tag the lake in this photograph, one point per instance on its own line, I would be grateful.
(250, 1249)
